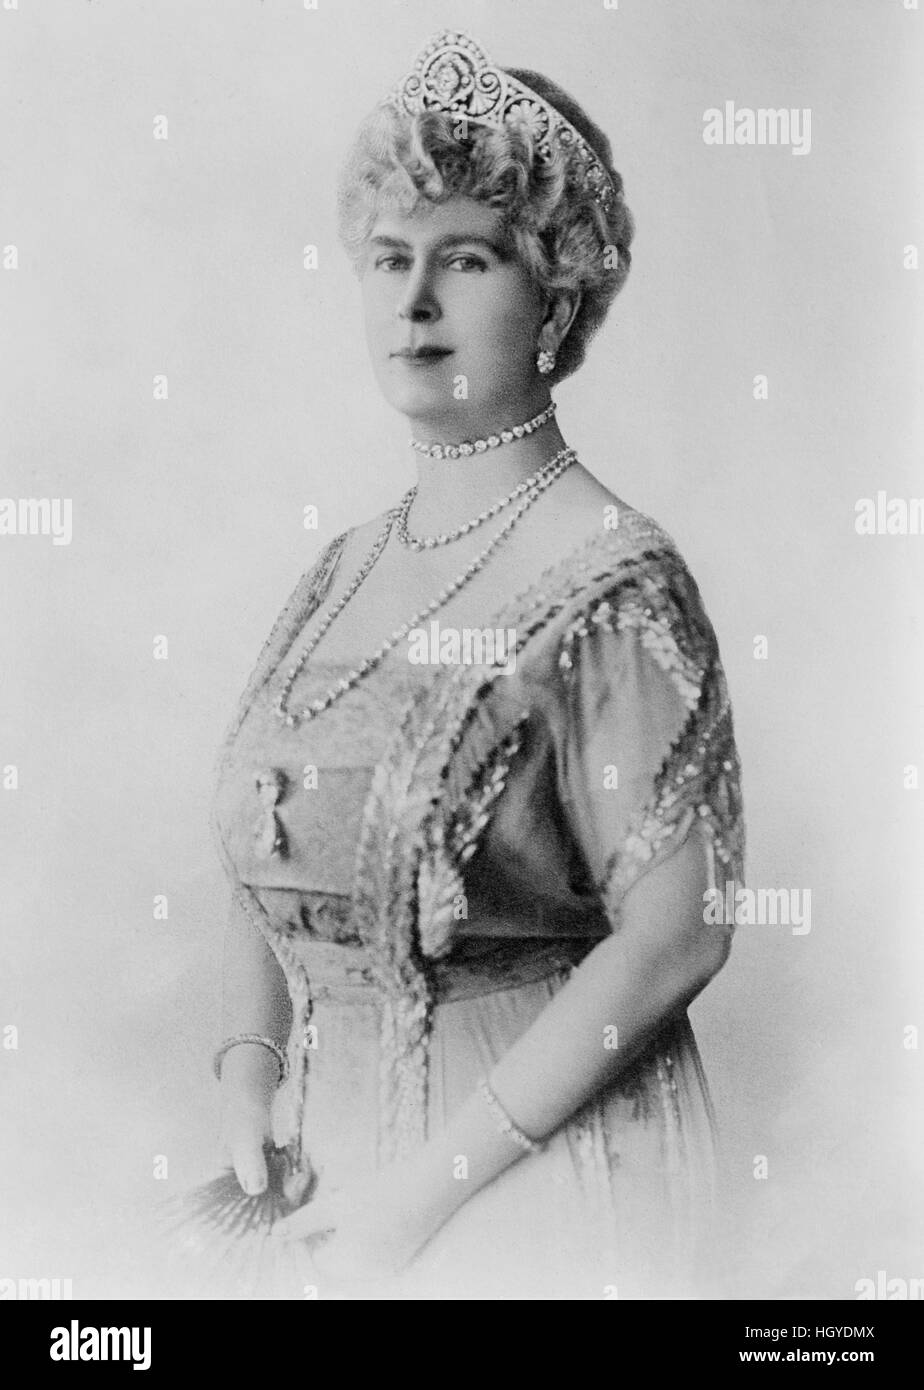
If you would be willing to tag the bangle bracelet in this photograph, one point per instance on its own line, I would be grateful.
(504, 1122)
(238, 1038)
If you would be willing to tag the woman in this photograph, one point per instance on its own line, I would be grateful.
(468, 875)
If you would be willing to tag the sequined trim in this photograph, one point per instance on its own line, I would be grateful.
(700, 775)
(322, 916)
(450, 847)
(650, 1087)
(700, 778)
(397, 828)
(657, 637)
(664, 1064)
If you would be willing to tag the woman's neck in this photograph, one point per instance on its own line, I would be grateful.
(451, 491)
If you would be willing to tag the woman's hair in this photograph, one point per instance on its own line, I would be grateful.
(558, 230)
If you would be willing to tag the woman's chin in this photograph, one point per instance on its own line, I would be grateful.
(432, 409)
(421, 402)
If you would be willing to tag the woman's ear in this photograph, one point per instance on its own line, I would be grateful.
(560, 315)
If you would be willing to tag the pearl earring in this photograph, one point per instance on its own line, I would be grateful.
(545, 361)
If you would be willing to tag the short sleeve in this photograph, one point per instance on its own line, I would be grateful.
(647, 749)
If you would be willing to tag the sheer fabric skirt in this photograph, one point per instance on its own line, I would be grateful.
(616, 1205)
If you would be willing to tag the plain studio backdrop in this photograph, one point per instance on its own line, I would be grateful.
(184, 257)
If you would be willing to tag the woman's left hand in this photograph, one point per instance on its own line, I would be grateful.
(375, 1227)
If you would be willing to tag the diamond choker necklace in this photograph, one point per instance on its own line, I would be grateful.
(479, 446)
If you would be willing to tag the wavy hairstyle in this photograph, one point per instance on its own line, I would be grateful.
(558, 230)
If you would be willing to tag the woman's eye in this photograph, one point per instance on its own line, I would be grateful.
(390, 262)
(469, 263)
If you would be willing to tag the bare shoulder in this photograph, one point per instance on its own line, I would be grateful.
(587, 494)
(578, 504)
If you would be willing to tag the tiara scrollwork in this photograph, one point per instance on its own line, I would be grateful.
(454, 74)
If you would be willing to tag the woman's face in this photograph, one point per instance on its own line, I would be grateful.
(452, 318)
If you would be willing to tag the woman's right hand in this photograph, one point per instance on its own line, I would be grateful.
(247, 1088)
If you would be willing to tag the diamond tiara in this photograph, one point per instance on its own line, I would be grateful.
(454, 74)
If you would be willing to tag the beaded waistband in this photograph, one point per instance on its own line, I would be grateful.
(344, 972)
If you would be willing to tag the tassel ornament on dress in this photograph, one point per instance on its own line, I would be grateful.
(269, 833)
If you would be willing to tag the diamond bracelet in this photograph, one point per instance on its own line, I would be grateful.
(276, 1050)
(504, 1122)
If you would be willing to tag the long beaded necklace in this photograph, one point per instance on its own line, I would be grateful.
(427, 542)
(554, 469)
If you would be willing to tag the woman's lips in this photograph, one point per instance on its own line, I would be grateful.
(421, 357)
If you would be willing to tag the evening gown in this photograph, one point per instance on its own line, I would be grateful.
(451, 842)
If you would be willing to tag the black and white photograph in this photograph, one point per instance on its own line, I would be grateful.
(461, 717)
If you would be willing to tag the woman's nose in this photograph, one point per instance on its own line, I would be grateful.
(418, 303)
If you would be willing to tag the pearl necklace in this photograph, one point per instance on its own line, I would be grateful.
(479, 446)
(562, 460)
(427, 542)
